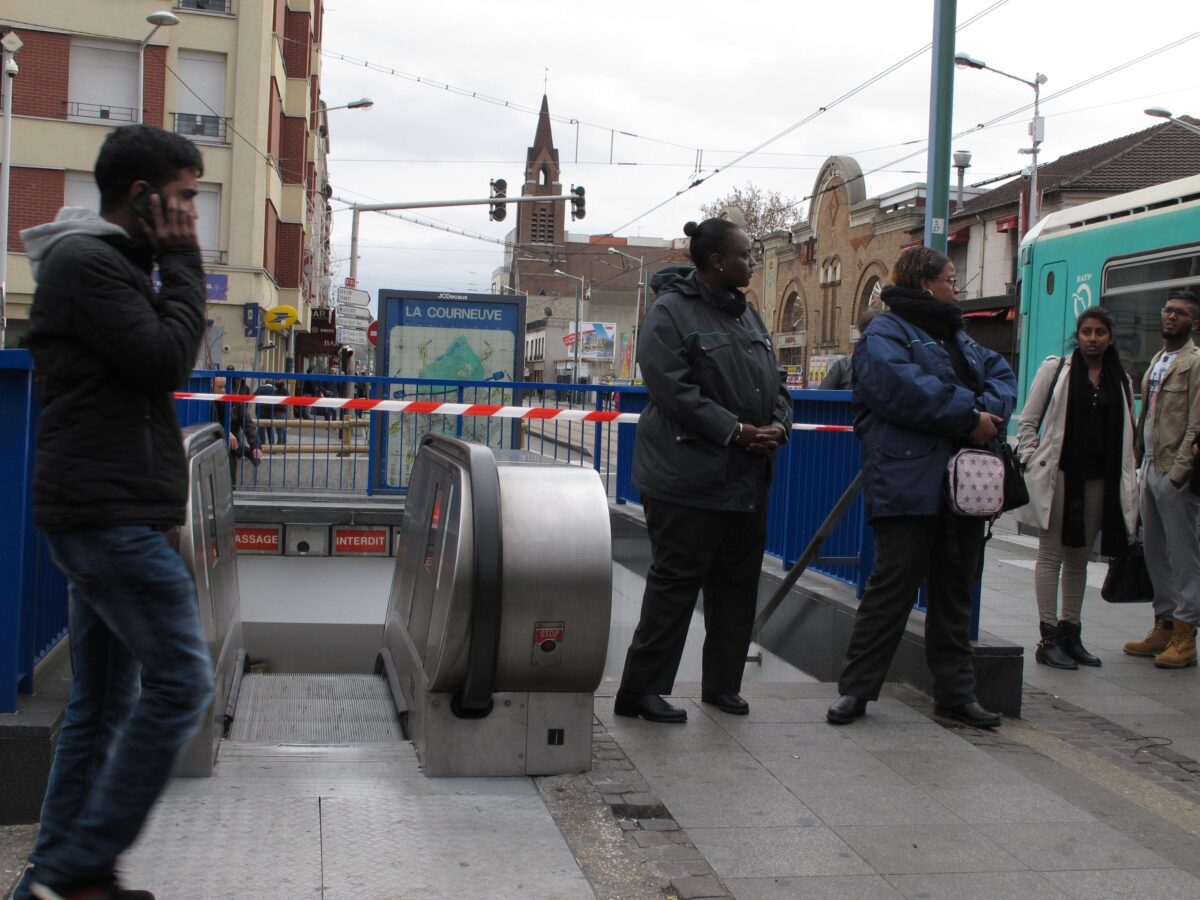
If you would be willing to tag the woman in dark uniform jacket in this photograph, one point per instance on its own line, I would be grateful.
(922, 390)
(703, 461)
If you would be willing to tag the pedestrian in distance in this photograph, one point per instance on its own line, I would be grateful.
(109, 491)
(1075, 441)
(703, 461)
(240, 430)
(1168, 426)
(922, 390)
(840, 374)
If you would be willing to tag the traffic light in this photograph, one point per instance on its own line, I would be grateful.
(577, 202)
(498, 211)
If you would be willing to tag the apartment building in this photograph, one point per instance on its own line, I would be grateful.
(241, 78)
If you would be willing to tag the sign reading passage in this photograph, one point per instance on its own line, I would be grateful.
(258, 538)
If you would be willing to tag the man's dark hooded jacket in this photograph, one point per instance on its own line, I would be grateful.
(107, 354)
(707, 362)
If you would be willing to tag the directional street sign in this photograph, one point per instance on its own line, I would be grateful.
(350, 314)
(352, 297)
(352, 335)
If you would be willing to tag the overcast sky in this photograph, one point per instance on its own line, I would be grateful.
(710, 77)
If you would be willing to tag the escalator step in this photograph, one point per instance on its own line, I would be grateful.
(315, 709)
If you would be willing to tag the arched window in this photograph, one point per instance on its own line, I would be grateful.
(793, 313)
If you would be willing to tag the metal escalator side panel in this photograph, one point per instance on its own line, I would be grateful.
(428, 618)
(557, 579)
(206, 543)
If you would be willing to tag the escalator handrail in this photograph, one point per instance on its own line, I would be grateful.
(474, 700)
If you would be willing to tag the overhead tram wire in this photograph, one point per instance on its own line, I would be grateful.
(811, 116)
(1003, 116)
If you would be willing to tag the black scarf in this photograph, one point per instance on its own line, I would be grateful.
(938, 319)
(1079, 393)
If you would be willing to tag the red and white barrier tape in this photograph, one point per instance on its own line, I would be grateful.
(435, 408)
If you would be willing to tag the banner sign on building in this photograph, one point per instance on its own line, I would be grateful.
(216, 285)
(452, 337)
(599, 340)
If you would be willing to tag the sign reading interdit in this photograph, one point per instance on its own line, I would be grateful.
(360, 541)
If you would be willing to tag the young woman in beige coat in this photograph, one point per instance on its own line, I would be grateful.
(1076, 441)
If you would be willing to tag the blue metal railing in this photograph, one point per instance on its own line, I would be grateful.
(33, 594)
(309, 451)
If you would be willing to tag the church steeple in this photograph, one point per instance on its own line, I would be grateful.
(542, 223)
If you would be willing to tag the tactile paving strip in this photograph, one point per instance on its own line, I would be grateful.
(315, 709)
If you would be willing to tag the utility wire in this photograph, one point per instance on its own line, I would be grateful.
(1001, 118)
(820, 111)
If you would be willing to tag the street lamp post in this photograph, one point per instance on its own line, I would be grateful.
(637, 310)
(1037, 127)
(1157, 111)
(11, 43)
(578, 316)
(361, 103)
(158, 20)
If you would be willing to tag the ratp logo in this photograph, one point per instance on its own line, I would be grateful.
(1082, 298)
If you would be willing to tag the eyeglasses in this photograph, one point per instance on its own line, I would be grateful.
(953, 282)
(1177, 312)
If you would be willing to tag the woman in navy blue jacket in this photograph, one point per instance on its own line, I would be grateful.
(922, 391)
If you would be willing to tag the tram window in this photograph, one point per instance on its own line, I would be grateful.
(1183, 267)
(1050, 283)
(1138, 319)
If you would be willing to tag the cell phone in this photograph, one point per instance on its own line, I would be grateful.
(141, 206)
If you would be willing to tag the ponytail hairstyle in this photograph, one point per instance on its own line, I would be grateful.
(918, 264)
(707, 238)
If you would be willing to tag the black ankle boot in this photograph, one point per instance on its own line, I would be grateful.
(1051, 652)
(1069, 640)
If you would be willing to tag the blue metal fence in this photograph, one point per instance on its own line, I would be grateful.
(345, 452)
(33, 595)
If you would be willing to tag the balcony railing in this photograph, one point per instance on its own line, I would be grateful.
(206, 128)
(218, 6)
(215, 257)
(77, 110)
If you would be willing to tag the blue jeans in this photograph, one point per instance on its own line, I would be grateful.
(143, 680)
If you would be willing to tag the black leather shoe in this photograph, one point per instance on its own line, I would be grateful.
(969, 714)
(846, 709)
(730, 703)
(651, 707)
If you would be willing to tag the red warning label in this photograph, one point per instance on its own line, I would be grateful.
(360, 541)
(257, 538)
(548, 631)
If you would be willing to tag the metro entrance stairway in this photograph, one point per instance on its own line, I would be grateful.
(315, 709)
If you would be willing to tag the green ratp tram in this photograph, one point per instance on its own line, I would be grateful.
(1123, 253)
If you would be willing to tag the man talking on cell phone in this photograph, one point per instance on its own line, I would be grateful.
(109, 490)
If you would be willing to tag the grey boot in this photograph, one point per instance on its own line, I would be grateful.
(1051, 652)
(1070, 641)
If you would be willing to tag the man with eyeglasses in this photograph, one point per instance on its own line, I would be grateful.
(1170, 512)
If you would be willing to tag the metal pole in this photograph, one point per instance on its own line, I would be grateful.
(354, 246)
(1035, 210)
(637, 319)
(941, 103)
(5, 58)
(578, 325)
(962, 172)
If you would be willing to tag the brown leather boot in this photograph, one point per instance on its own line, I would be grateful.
(1181, 652)
(1153, 643)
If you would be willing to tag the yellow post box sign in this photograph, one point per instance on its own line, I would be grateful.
(280, 317)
